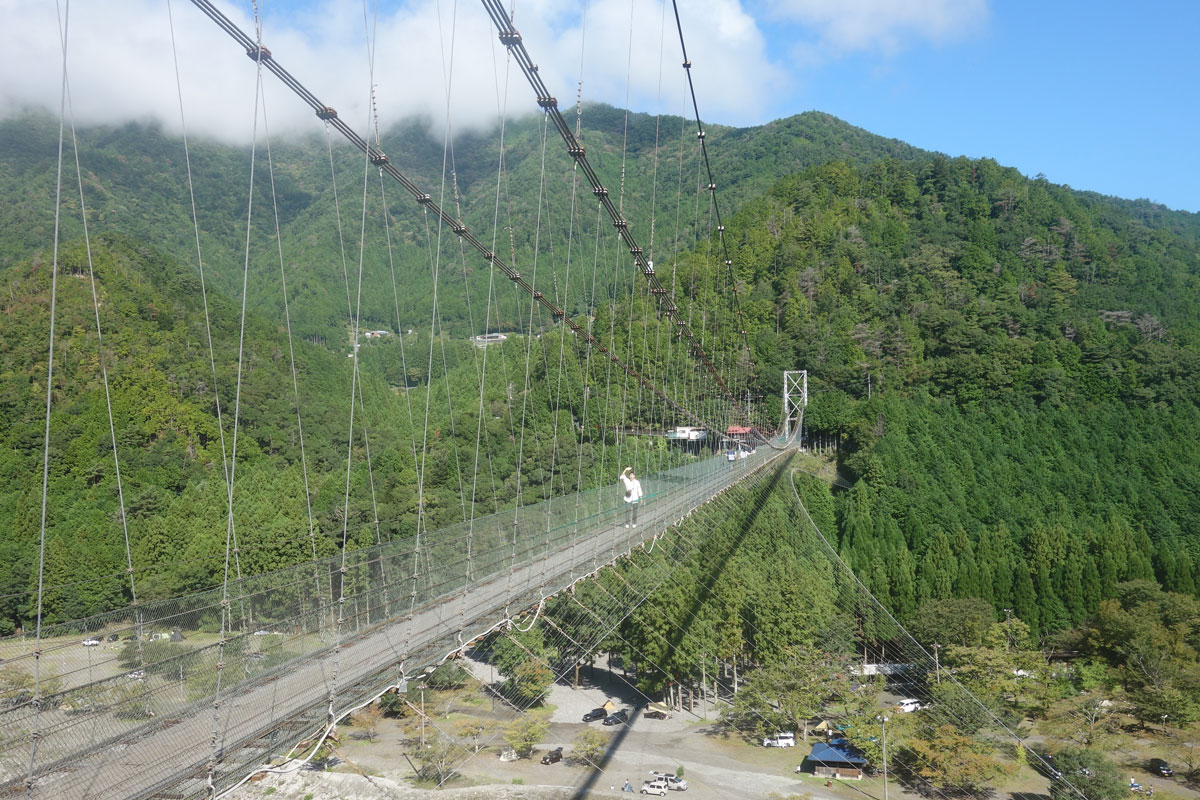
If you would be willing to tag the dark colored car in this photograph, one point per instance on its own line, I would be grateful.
(595, 714)
(617, 718)
(1043, 763)
(655, 715)
(1161, 767)
(553, 757)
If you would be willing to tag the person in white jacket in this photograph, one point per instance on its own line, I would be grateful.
(633, 493)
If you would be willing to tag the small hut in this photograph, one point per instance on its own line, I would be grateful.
(837, 759)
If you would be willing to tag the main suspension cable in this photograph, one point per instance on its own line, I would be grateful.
(712, 186)
(511, 38)
(262, 56)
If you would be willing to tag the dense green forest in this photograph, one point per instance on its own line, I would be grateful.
(1008, 367)
(1029, 432)
(532, 433)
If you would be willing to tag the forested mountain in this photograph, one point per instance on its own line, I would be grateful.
(1009, 367)
(136, 183)
(1013, 367)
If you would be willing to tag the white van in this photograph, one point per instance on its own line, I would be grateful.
(657, 786)
(780, 739)
(908, 705)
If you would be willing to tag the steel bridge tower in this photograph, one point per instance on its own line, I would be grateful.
(795, 398)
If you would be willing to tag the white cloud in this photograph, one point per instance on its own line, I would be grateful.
(121, 67)
(734, 78)
(886, 26)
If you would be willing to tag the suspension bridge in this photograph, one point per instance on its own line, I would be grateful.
(299, 646)
(277, 658)
(412, 607)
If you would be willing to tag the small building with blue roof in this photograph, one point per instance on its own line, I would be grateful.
(837, 759)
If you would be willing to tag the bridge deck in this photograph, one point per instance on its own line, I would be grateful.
(412, 606)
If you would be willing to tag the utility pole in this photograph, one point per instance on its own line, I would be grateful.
(937, 665)
(883, 723)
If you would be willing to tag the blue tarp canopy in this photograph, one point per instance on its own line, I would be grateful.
(836, 752)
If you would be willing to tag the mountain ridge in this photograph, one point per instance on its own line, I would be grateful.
(913, 286)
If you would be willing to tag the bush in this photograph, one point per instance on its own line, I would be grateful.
(590, 745)
(528, 683)
(524, 733)
(16, 684)
(437, 758)
(368, 719)
(394, 704)
(447, 676)
(160, 657)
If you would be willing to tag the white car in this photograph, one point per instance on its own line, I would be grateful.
(781, 739)
(908, 705)
(91, 642)
(673, 783)
(657, 786)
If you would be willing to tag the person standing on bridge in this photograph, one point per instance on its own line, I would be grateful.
(633, 493)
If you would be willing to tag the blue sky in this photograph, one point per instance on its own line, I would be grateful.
(1098, 95)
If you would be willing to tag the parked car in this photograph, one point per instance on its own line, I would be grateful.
(1161, 767)
(136, 675)
(553, 757)
(617, 718)
(673, 783)
(112, 637)
(780, 739)
(908, 705)
(652, 714)
(657, 786)
(595, 714)
(91, 642)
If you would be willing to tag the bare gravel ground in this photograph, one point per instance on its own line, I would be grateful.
(345, 786)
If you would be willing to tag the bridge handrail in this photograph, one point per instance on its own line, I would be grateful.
(299, 603)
